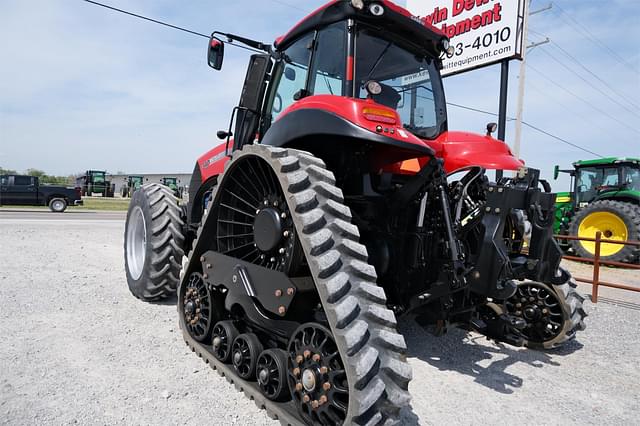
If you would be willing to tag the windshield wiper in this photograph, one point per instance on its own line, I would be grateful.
(377, 62)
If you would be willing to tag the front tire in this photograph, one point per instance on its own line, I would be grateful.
(616, 220)
(58, 205)
(153, 243)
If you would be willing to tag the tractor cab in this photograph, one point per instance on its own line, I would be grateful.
(131, 185)
(605, 198)
(356, 70)
(95, 181)
(606, 178)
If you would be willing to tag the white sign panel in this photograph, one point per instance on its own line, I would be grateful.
(482, 32)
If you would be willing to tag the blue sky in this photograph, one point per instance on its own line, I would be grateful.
(82, 87)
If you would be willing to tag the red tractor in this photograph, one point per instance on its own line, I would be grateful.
(338, 202)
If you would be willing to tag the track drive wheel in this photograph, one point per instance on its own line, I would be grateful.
(271, 371)
(553, 313)
(153, 243)
(616, 220)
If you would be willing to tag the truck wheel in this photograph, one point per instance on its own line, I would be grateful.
(58, 205)
(616, 220)
(153, 243)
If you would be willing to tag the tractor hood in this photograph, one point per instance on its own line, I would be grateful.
(462, 149)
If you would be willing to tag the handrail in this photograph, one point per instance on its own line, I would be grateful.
(596, 261)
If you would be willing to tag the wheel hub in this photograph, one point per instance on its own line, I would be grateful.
(237, 357)
(190, 308)
(267, 228)
(216, 342)
(263, 376)
(309, 380)
(531, 312)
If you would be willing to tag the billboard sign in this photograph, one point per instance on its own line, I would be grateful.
(482, 32)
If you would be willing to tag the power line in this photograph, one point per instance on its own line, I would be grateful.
(608, 96)
(284, 3)
(582, 99)
(584, 67)
(585, 31)
(531, 126)
(585, 120)
(155, 21)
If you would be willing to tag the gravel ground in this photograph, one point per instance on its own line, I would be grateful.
(76, 347)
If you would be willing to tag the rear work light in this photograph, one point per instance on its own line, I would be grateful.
(379, 115)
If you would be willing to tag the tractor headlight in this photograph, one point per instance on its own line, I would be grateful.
(373, 87)
(357, 4)
(446, 46)
(376, 9)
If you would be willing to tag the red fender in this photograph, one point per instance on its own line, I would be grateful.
(462, 149)
(212, 162)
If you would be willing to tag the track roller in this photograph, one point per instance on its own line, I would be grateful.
(224, 333)
(271, 371)
(244, 354)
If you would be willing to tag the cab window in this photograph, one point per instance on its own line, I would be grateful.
(292, 76)
(22, 180)
(329, 63)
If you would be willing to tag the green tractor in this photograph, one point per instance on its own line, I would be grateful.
(606, 199)
(172, 183)
(133, 183)
(95, 181)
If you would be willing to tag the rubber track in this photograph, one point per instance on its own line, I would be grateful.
(572, 306)
(166, 241)
(364, 329)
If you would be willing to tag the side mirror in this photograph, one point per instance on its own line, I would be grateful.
(556, 172)
(215, 54)
(491, 128)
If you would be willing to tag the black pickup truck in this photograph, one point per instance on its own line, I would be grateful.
(26, 190)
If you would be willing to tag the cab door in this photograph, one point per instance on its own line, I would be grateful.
(21, 190)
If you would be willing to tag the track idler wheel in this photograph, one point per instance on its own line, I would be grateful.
(317, 377)
(271, 372)
(196, 306)
(244, 355)
(553, 313)
(224, 333)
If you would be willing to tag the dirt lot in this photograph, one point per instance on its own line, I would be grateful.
(75, 347)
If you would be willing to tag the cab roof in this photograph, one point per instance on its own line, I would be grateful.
(606, 161)
(395, 19)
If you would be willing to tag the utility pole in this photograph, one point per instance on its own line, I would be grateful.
(521, 78)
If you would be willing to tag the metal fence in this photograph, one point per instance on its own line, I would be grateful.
(595, 281)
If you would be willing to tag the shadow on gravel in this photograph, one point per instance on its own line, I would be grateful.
(472, 355)
(167, 301)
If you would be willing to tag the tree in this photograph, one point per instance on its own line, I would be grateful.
(7, 171)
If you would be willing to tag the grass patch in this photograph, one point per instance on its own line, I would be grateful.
(112, 204)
